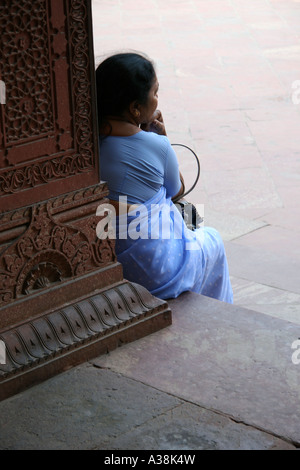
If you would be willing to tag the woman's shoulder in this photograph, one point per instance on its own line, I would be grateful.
(152, 136)
(141, 135)
(153, 139)
(155, 144)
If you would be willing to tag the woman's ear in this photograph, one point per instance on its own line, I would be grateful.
(134, 109)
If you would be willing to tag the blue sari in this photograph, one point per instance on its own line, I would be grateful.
(158, 251)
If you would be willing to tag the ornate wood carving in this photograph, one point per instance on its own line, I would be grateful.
(47, 129)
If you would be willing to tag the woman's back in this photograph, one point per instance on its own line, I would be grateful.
(138, 165)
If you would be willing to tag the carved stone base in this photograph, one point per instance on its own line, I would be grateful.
(52, 343)
(63, 298)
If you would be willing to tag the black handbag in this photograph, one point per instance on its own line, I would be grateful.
(187, 210)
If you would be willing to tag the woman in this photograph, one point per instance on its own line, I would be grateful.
(153, 244)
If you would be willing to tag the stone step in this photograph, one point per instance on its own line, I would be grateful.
(224, 358)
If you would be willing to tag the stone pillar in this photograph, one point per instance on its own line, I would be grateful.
(63, 298)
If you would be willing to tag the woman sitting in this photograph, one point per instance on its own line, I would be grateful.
(153, 244)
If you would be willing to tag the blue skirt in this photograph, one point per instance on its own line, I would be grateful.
(158, 251)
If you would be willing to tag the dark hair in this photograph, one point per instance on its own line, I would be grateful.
(121, 79)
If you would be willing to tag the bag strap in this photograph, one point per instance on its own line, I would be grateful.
(198, 172)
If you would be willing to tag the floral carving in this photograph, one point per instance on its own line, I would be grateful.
(50, 252)
(41, 276)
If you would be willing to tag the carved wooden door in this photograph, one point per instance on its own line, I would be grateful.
(48, 142)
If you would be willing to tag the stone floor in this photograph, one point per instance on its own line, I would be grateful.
(229, 73)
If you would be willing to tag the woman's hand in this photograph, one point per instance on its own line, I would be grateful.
(181, 191)
(156, 124)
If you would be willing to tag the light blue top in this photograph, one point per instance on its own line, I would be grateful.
(138, 166)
